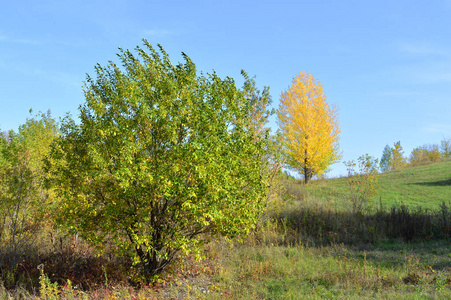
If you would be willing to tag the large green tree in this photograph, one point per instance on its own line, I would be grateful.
(161, 156)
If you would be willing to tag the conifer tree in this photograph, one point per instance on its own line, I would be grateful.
(386, 159)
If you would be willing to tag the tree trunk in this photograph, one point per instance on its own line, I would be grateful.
(307, 170)
(152, 264)
(306, 175)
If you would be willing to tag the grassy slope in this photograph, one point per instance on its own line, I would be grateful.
(427, 186)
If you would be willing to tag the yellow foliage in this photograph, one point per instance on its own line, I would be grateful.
(425, 155)
(309, 127)
(398, 159)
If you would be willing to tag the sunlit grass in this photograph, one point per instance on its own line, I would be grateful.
(298, 271)
(427, 186)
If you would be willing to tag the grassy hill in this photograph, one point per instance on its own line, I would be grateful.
(427, 186)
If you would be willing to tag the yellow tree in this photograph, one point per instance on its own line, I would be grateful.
(309, 127)
(398, 159)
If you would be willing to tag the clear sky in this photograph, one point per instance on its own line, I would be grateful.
(385, 64)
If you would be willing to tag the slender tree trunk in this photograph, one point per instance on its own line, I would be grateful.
(306, 169)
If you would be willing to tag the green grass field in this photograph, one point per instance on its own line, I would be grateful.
(427, 186)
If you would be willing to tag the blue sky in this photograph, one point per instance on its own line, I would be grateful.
(385, 64)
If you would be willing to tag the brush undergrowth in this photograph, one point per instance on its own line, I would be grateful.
(277, 262)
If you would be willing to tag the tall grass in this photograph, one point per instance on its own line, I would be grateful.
(331, 225)
(268, 266)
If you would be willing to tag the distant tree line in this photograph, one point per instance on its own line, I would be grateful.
(393, 157)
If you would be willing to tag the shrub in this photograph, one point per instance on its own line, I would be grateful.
(160, 158)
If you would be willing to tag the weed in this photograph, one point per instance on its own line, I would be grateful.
(48, 290)
(441, 280)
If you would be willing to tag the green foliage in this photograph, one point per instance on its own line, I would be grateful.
(274, 198)
(259, 114)
(362, 183)
(445, 148)
(393, 158)
(161, 156)
(386, 160)
(22, 191)
(36, 135)
(48, 290)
